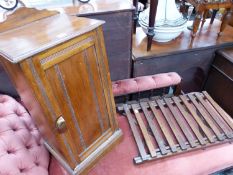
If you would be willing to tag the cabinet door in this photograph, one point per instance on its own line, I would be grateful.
(72, 78)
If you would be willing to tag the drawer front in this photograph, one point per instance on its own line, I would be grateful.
(224, 65)
(76, 89)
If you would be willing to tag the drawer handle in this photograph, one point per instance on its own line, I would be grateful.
(61, 124)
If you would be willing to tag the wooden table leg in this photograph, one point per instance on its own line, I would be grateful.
(135, 17)
(182, 7)
(213, 15)
(225, 20)
(206, 12)
(196, 23)
(150, 32)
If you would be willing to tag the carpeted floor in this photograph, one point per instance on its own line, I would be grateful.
(120, 160)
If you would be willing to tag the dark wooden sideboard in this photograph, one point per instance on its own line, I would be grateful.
(191, 59)
(61, 74)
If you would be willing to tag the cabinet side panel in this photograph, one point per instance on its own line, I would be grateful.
(105, 74)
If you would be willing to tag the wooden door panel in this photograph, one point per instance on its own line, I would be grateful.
(92, 64)
(84, 105)
(55, 83)
(76, 86)
(73, 75)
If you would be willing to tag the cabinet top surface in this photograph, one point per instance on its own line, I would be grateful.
(30, 39)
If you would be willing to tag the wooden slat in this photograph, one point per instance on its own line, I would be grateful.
(189, 121)
(198, 120)
(162, 127)
(144, 131)
(224, 115)
(181, 124)
(136, 135)
(218, 119)
(154, 130)
(207, 119)
(172, 125)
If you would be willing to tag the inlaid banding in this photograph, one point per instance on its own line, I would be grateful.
(58, 56)
(68, 100)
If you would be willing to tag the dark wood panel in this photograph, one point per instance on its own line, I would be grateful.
(192, 66)
(118, 40)
(220, 79)
(6, 86)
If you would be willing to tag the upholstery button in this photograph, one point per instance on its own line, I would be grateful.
(14, 129)
(21, 170)
(10, 151)
(28, 146)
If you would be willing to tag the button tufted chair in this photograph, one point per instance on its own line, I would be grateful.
(21, 146)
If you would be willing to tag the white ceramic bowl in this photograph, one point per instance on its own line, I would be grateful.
(165, 29)
(165, 33)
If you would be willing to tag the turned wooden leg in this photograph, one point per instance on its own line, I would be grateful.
(150, 32)
(196, 23)
(225, 20)
(206, 12)
(213, 15)
(135, 17)
(182, 7)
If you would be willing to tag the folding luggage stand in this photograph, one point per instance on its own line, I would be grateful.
(167, 126)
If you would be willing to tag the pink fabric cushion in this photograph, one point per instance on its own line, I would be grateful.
(21, 146)
(144, 83)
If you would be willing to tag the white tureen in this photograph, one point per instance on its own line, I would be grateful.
(169, 22)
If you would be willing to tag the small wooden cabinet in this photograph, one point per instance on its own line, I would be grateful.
(59, 67)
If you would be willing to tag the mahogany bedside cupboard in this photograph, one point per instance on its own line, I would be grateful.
(59, 67)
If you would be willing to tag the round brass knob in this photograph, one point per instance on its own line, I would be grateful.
(61, 124)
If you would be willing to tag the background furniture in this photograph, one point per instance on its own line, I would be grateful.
(61, 74)
(202, 8)
(220, 79)
(22, 148)
(191, 60)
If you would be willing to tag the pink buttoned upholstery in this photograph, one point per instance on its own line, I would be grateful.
(21, 146)
(144, 83)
